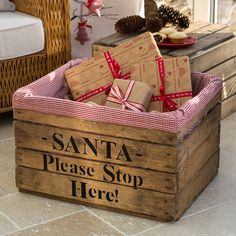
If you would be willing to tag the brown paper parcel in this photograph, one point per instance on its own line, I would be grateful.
(177, 79)
(95, 73)
(141, 93)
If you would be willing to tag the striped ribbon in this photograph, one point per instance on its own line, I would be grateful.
(117, 96)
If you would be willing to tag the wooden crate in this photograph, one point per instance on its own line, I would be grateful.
(149, 173)
(214, 53)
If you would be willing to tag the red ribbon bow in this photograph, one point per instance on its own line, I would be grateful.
(168, 104)
(117, 96)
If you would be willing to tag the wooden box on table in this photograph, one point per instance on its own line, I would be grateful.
(214, 53)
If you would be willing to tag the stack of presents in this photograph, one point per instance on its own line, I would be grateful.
(132, 76)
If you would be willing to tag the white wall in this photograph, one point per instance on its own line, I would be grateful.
(102, 26)
(202, 10)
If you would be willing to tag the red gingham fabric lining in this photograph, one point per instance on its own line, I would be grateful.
(46, 95)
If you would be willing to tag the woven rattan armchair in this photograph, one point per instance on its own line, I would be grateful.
(15, 73)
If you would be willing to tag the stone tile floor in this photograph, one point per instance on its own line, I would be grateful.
(212, 214)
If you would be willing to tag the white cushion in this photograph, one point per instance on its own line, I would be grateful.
(20, 35)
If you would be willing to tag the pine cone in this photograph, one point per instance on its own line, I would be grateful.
(182, 22)
(170, 15)
(154, 23)
(166, 12)
(130, 24)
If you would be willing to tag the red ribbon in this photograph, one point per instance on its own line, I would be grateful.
(93, 92)
(115, 67)
(117, 96)
(168, 104)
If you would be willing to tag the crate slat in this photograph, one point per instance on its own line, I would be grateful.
(224, 70)
(135, 133)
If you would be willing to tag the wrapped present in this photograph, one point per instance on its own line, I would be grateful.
(170, 80)
(129, 95)
(89, 80)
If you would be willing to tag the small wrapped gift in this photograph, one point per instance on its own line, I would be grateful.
(129, 95)
(91, 79)
(170, 80)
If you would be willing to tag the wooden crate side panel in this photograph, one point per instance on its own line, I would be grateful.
(189, 126)
(199, 134)
(100, 171)
(229, 88)
(228, 106)
(197, 149)
(187, 196)
(199, 158)
(145, 202)
(95, 147)
(113, 130)
(209, 58)
(224, 70)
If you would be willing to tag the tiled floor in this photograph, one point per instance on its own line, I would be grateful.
(213, 213)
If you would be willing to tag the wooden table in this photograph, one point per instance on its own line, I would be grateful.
(214, 53)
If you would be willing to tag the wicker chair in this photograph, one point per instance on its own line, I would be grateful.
(15, 73)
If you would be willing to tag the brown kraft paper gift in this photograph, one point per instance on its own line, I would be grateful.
(129, 95)
(177, 79)
(89, 80)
